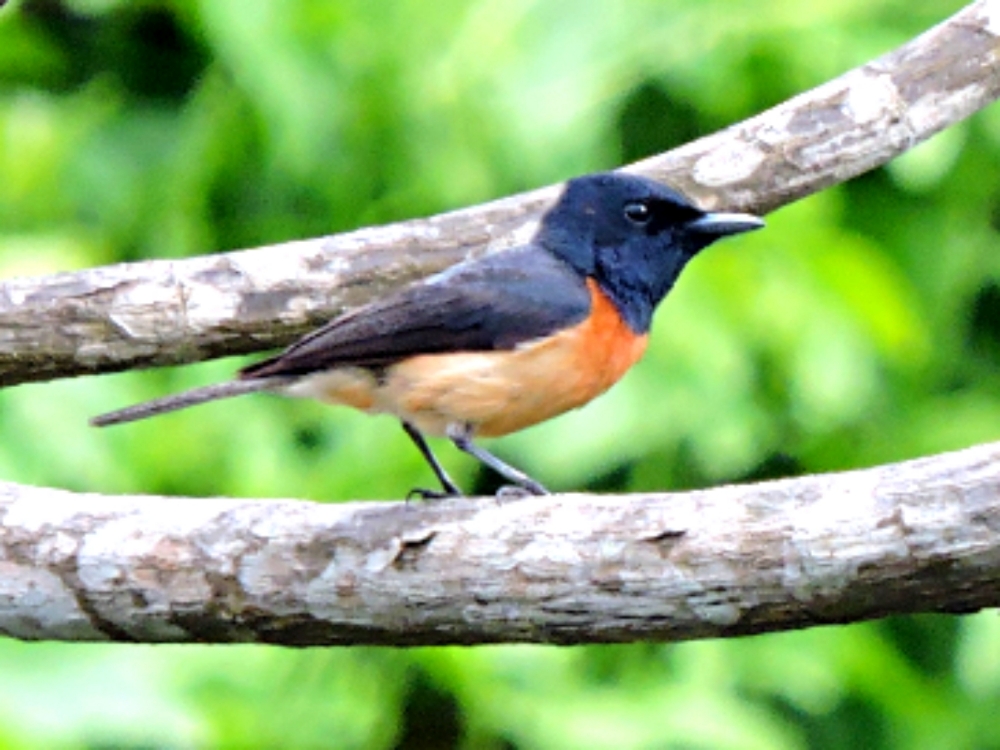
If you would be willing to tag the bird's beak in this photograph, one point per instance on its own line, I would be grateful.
(722, 224)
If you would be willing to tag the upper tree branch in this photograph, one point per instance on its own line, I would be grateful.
(918, 536)
(168, 312)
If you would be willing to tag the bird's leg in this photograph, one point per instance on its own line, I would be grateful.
(461, 436)
(450, 488)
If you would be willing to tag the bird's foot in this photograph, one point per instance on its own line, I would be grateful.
(425, 495)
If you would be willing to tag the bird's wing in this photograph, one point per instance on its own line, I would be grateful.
(492, 303)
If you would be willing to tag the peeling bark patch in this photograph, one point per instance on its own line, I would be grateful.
(733, 162)
(108, 629)
(988, 517)
(61, 286)
(411, 548)
(269, 572)
(824, 117)
(872, 98)
(221, 275)
(147, 317)
(667, 535)
(35, 601)
(270, 304)
(716, 606)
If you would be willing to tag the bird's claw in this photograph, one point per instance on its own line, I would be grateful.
(425, 495)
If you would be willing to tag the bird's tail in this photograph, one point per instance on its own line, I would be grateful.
(188, 398)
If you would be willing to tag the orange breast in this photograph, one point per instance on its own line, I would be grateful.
(502, 392)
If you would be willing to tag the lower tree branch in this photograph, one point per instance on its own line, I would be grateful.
(917, 536)
(911, 537)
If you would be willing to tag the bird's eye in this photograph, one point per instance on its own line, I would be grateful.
(638, 212)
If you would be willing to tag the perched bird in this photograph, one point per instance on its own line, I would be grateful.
(493, 345)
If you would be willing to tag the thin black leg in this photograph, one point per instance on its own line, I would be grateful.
(461, 436)
(450, 488)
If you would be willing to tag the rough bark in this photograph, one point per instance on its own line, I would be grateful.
(170, 312)
(917, 536)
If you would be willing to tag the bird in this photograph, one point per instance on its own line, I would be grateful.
(499, 343)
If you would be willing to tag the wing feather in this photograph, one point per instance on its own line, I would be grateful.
(491, 303)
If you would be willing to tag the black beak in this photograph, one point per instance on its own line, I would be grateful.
(714, 225)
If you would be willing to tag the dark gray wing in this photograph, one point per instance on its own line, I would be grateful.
(492, 303)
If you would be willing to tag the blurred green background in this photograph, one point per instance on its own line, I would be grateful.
(862, 326)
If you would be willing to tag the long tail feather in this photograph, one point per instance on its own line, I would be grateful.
(188, 398)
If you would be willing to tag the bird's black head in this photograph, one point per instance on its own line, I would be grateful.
(633, 236)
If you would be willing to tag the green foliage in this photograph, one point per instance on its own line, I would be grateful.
(862, 326)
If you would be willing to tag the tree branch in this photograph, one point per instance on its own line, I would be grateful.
(911, 537)
(916, 536)
(169, 312)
